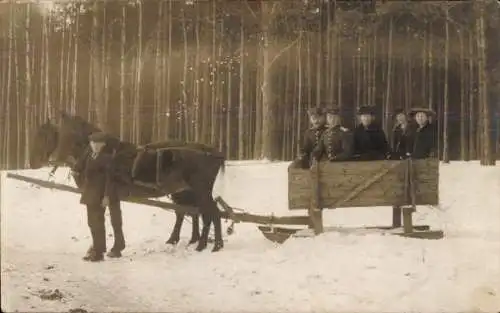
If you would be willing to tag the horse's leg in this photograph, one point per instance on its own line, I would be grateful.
(195, 234)
(187, 197)
(202, 243)
(215, 217)
(176, 232)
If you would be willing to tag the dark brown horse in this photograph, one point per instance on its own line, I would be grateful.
(185, 171)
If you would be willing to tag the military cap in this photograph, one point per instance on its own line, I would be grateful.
(99, 137)
(427, 111)
(315, 111)
(332, 110)
(366, 109)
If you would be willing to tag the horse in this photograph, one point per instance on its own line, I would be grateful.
(190, 170)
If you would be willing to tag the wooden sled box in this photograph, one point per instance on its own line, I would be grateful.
(364, 184)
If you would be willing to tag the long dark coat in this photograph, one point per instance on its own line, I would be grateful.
(402, 141)
(93, 176)
(370, 143)
(424, 145)
(310, 143)
(336, 144)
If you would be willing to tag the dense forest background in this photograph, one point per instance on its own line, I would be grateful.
(241, 74)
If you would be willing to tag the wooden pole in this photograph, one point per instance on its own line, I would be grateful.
(315, 210)
(228, 213)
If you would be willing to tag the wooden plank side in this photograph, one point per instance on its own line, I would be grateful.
(426, 181)
(374, 183)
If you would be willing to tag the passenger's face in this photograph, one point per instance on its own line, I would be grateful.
(332, 119)
(316, 119)
(401, 119)
(421, 118)
(96, 146)
(366, 119)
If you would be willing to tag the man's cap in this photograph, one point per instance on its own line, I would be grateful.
(332, 110)
(315, 111)
(366, 109)
(99, 137)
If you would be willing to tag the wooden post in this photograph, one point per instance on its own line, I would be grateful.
(410, 198)
(158, 167)
(315, 209)
(396, 216)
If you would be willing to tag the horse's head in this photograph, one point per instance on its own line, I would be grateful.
(72, 140)
(43, 145)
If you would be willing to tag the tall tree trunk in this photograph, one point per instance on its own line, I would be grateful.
(9, 100)
(241, 106)
(184, 87)
(266, 89)
(487, 157)
(75, 62)
(138, 79)
(18, 119)
(27, 90)
(472, 107)
(463, 113)
(229, 107)
(387, 104)
(446, 157)
(197, 82)
(122, 72)
(169, 70)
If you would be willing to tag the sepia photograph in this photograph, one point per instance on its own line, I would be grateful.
(250, 156)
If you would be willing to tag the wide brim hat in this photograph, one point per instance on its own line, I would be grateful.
(427, 111)
(366, 109)
(316, 111)
(99, 137)
(332, 110)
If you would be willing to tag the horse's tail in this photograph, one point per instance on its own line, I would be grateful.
(220, 179)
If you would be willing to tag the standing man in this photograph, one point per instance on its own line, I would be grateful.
(311, 139)
(337, 141)
(99, 192)
(370, 141)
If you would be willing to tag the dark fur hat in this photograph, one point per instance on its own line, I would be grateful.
(366, 109)
(99, 137)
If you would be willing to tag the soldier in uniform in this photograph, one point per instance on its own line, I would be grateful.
(370, 142)
(424, 145)
(98, 192)
(402, 136)
(311, 138)
(336, 144)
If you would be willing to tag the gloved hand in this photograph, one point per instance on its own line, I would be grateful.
(105, 201)
(316, 155)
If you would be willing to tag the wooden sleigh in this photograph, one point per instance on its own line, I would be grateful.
(402, 184)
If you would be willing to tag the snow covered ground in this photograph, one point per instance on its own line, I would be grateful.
(45, 234)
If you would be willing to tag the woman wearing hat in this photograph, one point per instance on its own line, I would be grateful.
(424, 145)
(311, 139)
(402, 136)
(370, 142)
